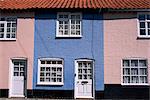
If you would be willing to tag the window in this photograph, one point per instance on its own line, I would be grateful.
(85, 69)
(144, 24)
(50, 71)
(8, 28)
(134, 72)
(68, 25)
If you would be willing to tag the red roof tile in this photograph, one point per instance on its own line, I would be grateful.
(115, 4)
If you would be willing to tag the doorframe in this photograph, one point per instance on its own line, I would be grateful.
(11, 76)
(75, 78)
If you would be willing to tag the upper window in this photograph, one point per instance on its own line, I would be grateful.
(50, 71)
(134, 72)
(68, 25)
(144, 24)
(8, 28)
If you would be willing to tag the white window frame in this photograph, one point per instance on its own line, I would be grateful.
(69, 15)
(138, 25)
(137, 84)
(60, 65)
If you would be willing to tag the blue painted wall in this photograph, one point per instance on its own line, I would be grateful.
(89, 46)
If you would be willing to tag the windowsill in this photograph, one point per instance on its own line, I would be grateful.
(143, 38)
(68, 37)
(8, 39)
(52, 83)
(132, 84)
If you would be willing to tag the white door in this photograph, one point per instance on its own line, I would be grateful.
(84, 79)
(17, 86)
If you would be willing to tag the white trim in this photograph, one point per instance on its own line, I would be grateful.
(135, 84)
(93, 79)
(82, 97)
(138, 25)
(11, 66)
(5, 27)
(50, 65)
(69, 27)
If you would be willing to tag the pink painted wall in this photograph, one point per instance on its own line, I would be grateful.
(120, 41)
(22, 47)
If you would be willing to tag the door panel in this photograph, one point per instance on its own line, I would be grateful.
(84, 79)
(18, 78)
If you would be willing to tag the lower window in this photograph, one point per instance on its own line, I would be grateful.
(50, 71)
(134, 72)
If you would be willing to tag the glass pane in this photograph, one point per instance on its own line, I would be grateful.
(60, 26)
(134, 79)
(148, 17)
(73, 16)
(126, 63)
(143, 79)
(42, 69)
(66, 32)
(48, 69)
(65, 16)
(59, 62)
(16, 73)
(13, 24)
(141, 17)
(41, 74)
(42, 62)
(77, 16)
(8, 35)
(8, 29)
(41, 79)
(21, 73)
(148, 24)
(143, 71)
(142, 24)
(48, 62)
(13, 35)
(60, 16)
(126, 79)
(60, 22)
(8, 24)
(142, 63)
(134, 71)
(126, 71)
(148, 31)
(1, 29)
(142, 32)
(21, 68)
(1, 35)
(134, 63)
(16, 68)
(72, 21)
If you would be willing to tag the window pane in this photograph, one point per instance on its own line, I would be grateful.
(142, 63)
(142, 32)
(126, 63)
(142, 24)
(148, 17)
(126, 71)
(148, 24)
(126, 79)
(148, 31)
(142, 17)
(1, 35)
(134, 71)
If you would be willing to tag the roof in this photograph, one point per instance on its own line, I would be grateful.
(92, 4)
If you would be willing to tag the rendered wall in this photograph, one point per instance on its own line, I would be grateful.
(21, 47)
(89, 46)
(121, 41)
